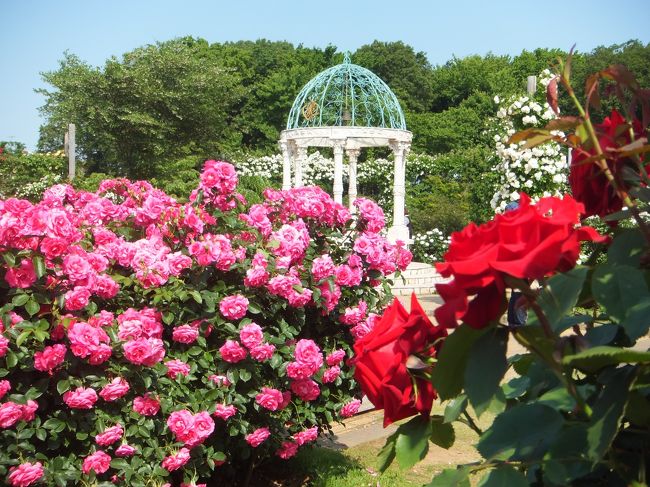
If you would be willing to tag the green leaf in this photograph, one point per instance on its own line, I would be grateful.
(637, 410)
(254, 309)
(244, 375)
(168, 317)
(448, 374)
(515, 387)
(39, 266)
(608, 412)
(9, 258)
(617, 288)
(533, 336)
(457, 477)
(523, 432)
(598, 357)
(12, 359)
(196, 296)
(486, 366)
(32, 307)
(387, 453)
(54, 424)
(503, 476)
(412, 443)
(20, 299)
(560, 296)
(558, 399)
(627, 248)
(601, 335)
(637, 320)
(22, 337)
(442, 434)
(455, 407)
(63, 386)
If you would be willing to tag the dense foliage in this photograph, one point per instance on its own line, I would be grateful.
(146, 341)
(574, 407)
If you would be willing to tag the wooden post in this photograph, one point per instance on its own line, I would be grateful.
(71, 148)
(531, 87)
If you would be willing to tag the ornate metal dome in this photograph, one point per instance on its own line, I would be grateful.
(346, 95)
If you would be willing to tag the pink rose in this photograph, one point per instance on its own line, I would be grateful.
(181, 423)
(117, 388)
(232, 352)
(331, 374)
(98, 461)
(224, 412)
(305, 389)
(25, 474)
(10, 414)
(262, 352)
(77, 298)
(203, 427)
(306, 436)
(5, 387)
(110, 435)
(29, 410)
(185, 333)
(174, 462)
(144, 351)
(335, 357)
(21, 277)
(220, 380)
(257, 437)
(80, 398)
(176, 367)
(269, 398)
(146, 405)
(4, 346)
(125, 450)
(322, 267)
(351, 408)
(287, 450)
(233, 307)
(50, 358)
(251, 335)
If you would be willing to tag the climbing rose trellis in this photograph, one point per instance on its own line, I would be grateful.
(145, 341)
(539, 171)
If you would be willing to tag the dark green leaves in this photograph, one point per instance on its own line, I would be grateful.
(598, 357)
(442, 433)
(486, 366)
(412, 442)
(521, 433)
(449, 371)
(503, 476)
(618, 288)
(560, 296)
(451, 478)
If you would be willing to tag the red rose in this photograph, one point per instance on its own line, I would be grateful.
(381, 356)
(588, 182)
(530, 242)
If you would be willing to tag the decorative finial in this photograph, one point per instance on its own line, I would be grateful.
(346, 58)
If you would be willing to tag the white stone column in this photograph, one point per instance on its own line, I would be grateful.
(353, 155)
(338, 170)
(399, 230)
(298, 163)
(286, 165)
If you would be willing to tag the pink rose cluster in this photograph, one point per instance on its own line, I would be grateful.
(133, 249)
(190, 429)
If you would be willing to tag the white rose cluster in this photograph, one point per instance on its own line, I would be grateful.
(429, 246)
(539, 171)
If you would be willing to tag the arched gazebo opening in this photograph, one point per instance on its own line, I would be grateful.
(347, 107)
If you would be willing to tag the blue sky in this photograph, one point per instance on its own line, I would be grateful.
(35, 33)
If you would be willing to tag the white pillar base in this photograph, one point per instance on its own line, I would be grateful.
(399, 232)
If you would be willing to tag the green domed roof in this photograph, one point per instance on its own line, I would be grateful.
(346, 95)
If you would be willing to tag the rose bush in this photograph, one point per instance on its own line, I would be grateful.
(145, 341)
(574, 409)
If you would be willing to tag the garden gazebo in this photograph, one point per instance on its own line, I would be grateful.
(347, 107)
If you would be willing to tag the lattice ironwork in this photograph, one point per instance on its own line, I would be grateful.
(346, 95)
